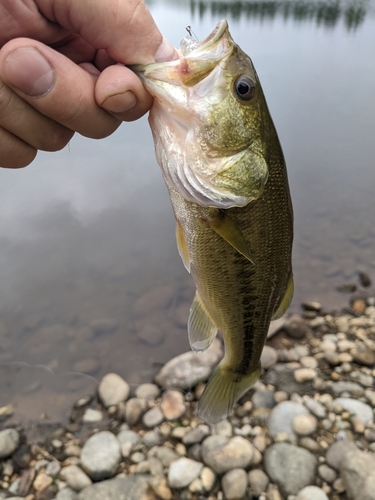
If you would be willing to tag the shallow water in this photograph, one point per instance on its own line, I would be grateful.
(88, 231)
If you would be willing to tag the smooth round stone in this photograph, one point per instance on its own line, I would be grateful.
(304, 375)
(311, 305)
(290, 467)
(66, 494)
(92, 416)
(357, 470)
(101, 455)
(281, 418)
(315, 407)
(182, 472)
(365, 357)
(337, 451)
(154, 300)
(113, 389)
(263, 398)
(304, 425)
(151, 438)
(151, 334)
(295, 327)
(153, 417)
(357, 408)
(147, 391)
(165, 455)
(309, 362)
(223, 428)
(311, 493)
(128, 436)
(104, 326)
(75, 477)
(173, 404)
(9, 441)
(268, 357)
(234, 483)
(326, 473)
(134, 410)
(258, 481)
(53, 468)
(208, 478)
(196, 435)
(223, 454)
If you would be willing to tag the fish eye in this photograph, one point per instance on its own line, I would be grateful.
(244, 88)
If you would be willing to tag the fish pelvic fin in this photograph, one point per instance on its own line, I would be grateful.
(223, 390)
(182, 247)
(224, 226)
(286, 300)
(201, 328)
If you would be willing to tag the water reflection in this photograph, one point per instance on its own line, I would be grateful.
(327, 14)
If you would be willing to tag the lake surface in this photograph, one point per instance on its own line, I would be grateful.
(87, 232)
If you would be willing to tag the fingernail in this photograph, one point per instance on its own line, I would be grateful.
(165, 52)
(27, 70)
(120, 103)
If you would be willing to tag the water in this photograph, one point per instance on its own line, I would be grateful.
(88, 231)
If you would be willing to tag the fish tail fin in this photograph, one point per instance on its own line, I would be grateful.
(223, 390)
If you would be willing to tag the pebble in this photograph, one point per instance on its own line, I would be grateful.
(134, 409)
(222, 454)
(165, 455)
(208, 478)
(326, 473)
(87, 365)
(66, 494)
(290, 467)
(75, 477)
(153, 418)
(42, 481)
(281, 418)
(9, 441)
(147, 391)
(351, 387)
(173, 404)
(120, 488)
(358, 474)
(223, 428)
(304, 424)
(196, 435)
(263, 399)
(151, 438)
(151, 334)
(103, 326)
(183, 471)
(268, 357)
(281, 376)
(92, 416)
(234, 484)
(113, 389)
(315, 407)
(362, 410)
(101, 455)
(258, 481)
(311, 493)
(158, 299)
(336, 452)
(364, 357)
(295, 327)
(312, 305)
(304, 374)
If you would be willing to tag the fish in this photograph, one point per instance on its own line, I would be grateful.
(224, 168)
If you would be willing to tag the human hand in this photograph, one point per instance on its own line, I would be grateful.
(64, 78)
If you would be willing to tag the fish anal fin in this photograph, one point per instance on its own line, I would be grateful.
(181, 246)
(222, 391)
(224, 226)
(201, 328)
(286, 300)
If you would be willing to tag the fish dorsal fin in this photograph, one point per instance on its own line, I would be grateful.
(223, 225)
(181, 246)
(201, 328)
(286, 300)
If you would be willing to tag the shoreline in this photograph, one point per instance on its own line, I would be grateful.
(304, 431)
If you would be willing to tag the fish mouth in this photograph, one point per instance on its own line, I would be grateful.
(193, 65)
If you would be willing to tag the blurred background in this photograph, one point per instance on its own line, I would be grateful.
(90, 277)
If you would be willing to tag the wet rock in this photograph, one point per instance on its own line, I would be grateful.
(104, 326)
(151, 334)
(153, 417)
(258, 481)
(282, 416)
(9, 441)
(304, 424)
(87, 365)
(336, 452)
(134, 410)
(158, 299)
(113, 389)
(75, 477)
(295, 327)
(282, 377)
(290, 467)
(187, 370)
(311, 306)
(119, 488)
(364, 279)
(173, 404)
(234, 483)
(147, 391)
(101, 455)
(263, 398)
(5, 412)
(357, 470)
(223, 454)
(311, 493)
(347, 288)
(362, 410)
(268, 357)
(359, 306)
(182, 472)
(92, 416)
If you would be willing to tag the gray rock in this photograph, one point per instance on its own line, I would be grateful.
(182, 472)
(234, 483)
(295, 327)
(357, 470)
(153, 334)
(75, 477)
(263, 398)
(361, 410)
(258, 481)
(173, 404)
(119, 488)
(311, 493)
(92, 416)
(66, 494)
(104, 326)
(223, 454)
(154, 300)
(134, 410)
(196, 435)
(326, 473)
(268, 357)
(336, 452)
(281, 418)
(53, 468)
(223, 428)
(128, 441)
(113, 389)
(9, 441)
(351, 387)
(101, 455)
(147, 391)
(315, 407)
(187, 370)
(151, 438)
(165, 455)
(153, 417)
(282, 377)
(290, 467)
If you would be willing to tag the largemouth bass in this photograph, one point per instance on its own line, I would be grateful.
(225, 171)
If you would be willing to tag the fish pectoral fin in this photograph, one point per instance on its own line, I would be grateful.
(181, 246)
(201, 328)
(223, 225)
(286, 300)
(223, 389)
